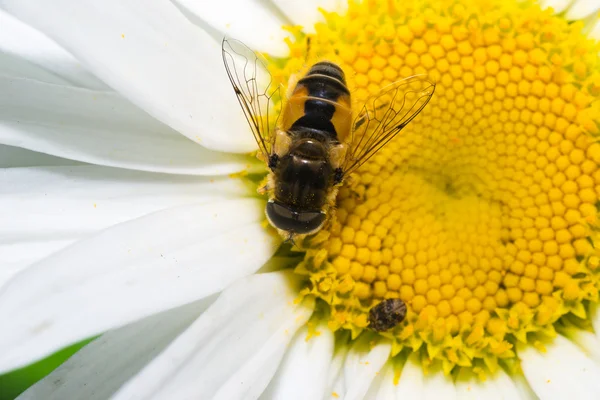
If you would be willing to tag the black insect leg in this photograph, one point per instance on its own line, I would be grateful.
(273, 160)
(338, 175)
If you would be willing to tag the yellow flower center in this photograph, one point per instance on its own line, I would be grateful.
(482, 215)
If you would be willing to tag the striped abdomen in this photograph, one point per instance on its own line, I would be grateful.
(319, 106)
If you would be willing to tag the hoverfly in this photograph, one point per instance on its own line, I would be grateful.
(317, 143)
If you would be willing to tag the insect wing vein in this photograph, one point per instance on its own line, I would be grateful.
(384, 115)
(254, 90)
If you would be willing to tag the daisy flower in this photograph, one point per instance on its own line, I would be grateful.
(130, 214)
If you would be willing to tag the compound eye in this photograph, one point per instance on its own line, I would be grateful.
(282, 217)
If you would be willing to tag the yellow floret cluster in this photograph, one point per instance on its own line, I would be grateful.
(482, 215)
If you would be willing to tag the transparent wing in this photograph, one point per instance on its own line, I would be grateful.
(384, 116)
(255, 90)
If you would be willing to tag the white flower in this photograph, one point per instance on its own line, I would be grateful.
(127, 229)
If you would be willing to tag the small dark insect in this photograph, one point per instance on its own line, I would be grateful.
(387, 314)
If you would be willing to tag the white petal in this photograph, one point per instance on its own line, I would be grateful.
(410, 385)
(436, 385)
(383, 386)
(303, 371)
(557, 5)
(362, 366)
(306, 13)
(563, 372)
(496, 387)
(99, 369)
(336, 385)
(525, 391)
(22, 41)
(50, 208)
(15, 67)
(128, 272)
(474, 389)
(149, 52)
(15, 257)
(233, 349)
(11, 157)
(587, 341)
(101, 128)
(48, 203)
(507, 387)
(580, 9)
(238, 19)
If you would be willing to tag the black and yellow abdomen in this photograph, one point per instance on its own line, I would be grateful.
(320, 104)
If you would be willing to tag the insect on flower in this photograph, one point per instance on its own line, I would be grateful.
(387, 314)
(317, 143)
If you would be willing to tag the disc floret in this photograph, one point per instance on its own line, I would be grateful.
(482, 216)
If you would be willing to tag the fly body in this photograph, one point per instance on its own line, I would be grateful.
(314, 140)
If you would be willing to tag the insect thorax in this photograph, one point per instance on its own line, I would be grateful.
(304, 175)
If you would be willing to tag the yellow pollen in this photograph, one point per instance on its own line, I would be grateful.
(482, 215)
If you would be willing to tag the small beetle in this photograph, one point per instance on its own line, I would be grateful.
(387, 314)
